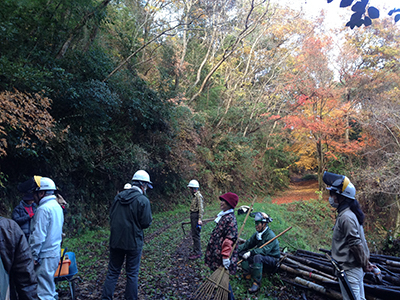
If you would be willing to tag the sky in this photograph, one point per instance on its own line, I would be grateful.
(334, 11)
(336, 17)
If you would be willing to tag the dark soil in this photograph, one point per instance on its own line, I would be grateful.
(180, 282)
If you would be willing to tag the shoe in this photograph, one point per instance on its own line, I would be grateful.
(194, 256)
(254, 288)
(246, 276)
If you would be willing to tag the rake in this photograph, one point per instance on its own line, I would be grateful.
(219, 280)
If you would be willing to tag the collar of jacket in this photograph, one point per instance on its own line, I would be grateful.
(260, 234)
(223, 213)
(134, 187)
(343, 206)
(47, 199)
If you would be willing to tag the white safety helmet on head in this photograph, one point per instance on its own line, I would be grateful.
(262, 217)
(194, 184)
(45, 184)
(127, 186)
(340, 184)
(142, 176)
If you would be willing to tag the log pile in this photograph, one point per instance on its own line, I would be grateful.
(314, 271)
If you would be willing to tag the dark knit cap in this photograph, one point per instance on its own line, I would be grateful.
(28, 197)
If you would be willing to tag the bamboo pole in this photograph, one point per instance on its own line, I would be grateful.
(306, 274)
(308, 269)
(319, 266)
(319, 288)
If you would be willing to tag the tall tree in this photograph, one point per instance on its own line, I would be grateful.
(370, 71)
(319, 116)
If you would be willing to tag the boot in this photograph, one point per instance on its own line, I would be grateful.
(254, 288)
(256, 274)
(246, 270)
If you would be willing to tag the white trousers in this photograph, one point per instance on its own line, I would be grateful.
(356, 279)
(45, 274)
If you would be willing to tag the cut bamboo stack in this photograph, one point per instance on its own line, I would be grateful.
(313, 271)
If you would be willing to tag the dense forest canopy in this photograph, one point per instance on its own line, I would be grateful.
(237, 94)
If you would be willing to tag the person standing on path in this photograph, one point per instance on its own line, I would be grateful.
(46, 236)
(349, 247)
(17, 262)
(196, 216)
(24, 212)
(130, 214)
(223, 237)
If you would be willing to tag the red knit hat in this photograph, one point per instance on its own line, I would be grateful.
(231, 198)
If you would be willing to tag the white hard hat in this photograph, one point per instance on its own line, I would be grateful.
(194, 184)
(127, 186)
(263, 217)
(142, 175)
(45, 184)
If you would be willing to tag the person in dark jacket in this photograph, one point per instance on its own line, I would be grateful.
(130, 214)
(24, 212)
(255, 259)
(17, 261)
(223, 238)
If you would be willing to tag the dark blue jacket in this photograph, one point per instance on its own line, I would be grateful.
(21, 216)
(130, 214)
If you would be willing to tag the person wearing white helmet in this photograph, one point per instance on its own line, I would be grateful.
(349, 247)
(256, 259)
(46, 236)
(130, 214)
(196, 217)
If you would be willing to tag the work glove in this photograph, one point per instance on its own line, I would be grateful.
(226, 262)
(246, 255)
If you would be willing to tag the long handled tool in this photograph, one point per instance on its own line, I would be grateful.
(271, 240)
(219, 280)
(342, 277)
(188, 222)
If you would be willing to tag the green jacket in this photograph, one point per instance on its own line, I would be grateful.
(130, 214)
(271, 249)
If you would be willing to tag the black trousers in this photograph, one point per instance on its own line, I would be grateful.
(194, 218)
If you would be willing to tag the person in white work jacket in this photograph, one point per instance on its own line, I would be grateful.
(46, 236)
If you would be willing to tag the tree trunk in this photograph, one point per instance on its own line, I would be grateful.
(75, 31)
(396, 231)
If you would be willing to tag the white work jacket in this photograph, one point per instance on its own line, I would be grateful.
(46, 228)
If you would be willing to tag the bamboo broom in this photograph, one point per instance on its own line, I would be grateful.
(219, 280)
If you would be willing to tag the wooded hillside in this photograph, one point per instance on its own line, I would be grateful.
(237, 94)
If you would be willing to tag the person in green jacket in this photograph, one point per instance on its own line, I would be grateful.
(255, 258)
(130, 214)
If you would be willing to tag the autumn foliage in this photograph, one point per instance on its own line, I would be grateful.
(26, 114)
(320, 121)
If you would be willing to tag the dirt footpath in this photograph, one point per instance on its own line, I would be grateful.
(299, 190)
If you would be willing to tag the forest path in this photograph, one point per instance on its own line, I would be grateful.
(298, 190)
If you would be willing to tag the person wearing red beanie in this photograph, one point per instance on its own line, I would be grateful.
(223, 237)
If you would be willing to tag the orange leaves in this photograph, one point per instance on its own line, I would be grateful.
(28, 115)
